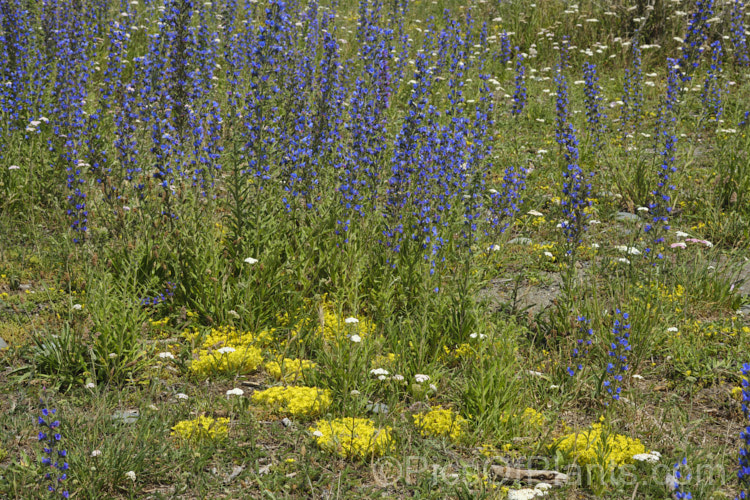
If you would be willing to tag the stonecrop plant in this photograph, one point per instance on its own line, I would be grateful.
(201, 430)
(357, 438)
(440, 422)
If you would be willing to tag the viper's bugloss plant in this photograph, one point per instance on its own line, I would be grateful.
(519, 95)
(695, 37)
(583, 344)
(619, 349)
(744, 473)
(54, 458)
(576, 192)
(739, 39)
(679, 477)
(712, 91)
(595, 115)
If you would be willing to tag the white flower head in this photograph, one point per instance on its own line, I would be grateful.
(166, 355)
(381, 377)
(130, 475)
(549, 254)
(649, 458)
(351, 321)
(77, 307)
(235, 392)
(477, 335)
(317, 434)
(535, 213)
(421, 378)
(433, 387)
(355, 392)
(379, 371)
(226, 350)
(681, 234)
(14, 167)
(398, 378)
(90, 385)
(356, 339)
(623, 260)
(251, 261)
(96, 453)
(673, 329)
(181, 395)
(112, 355)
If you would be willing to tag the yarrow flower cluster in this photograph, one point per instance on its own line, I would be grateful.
(54, 457)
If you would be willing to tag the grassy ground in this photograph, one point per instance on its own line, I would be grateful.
(274, 330)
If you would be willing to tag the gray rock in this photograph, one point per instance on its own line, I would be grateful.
(3, 344)
(520, 241)
(744, 310)
(127, 416)
(626, 217)
(377, 408)
(25, 286)
(286, 422)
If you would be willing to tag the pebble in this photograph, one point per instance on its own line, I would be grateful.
(3, 344)
(286, 422)
(127, 416)
(377, 408)
(520, 241)
(626, 217)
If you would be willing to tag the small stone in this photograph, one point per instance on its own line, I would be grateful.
(127, 416)
(3, 344)
(626, 217)
(24, 286)
(377, 408)
(286, 422)
(520, 241)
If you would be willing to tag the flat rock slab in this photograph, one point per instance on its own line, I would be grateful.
(127, 416)
(626, 217)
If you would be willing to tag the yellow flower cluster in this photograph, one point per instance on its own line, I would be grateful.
(661, 294)
(290, 369)
(228, 350)
(202, 429)
(384, 360)
(595, 446)
(530, 419)
(440, 422)
(460, 352)
(297, 401)
(352, 437)
(331, 325)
